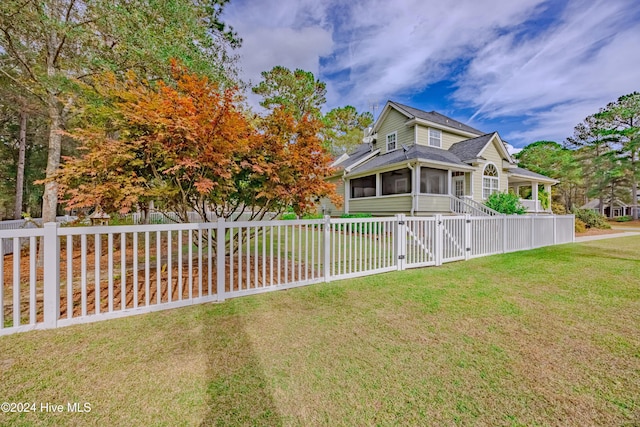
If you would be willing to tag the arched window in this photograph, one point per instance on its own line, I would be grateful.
(490, 181)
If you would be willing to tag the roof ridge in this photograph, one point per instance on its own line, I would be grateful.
(449, 122)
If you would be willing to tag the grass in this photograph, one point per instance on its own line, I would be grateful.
(543, 337)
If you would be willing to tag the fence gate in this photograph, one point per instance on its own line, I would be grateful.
(421, 247)
(454, 244)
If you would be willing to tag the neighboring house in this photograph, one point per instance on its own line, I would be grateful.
(423, 163)
(620, 208)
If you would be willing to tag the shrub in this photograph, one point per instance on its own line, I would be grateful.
(580, 226)
(357, 227)
(117, 219)
(558, 208)
(292, 216)
(505, 203)
(625, 218)
(357, 215)
(313, 216)
(544, 198)
(592, 219)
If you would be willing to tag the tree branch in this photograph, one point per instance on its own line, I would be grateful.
(21, 85)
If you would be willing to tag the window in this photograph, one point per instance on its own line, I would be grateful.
(396, 182)
(391, 141)
(490, 181)
(433, 181)
(435, 138)
(363, 187)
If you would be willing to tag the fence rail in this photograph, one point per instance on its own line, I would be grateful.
(55, 276)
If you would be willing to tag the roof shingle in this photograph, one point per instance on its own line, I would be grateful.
(413, 152)
(436, 117)
(470, 149)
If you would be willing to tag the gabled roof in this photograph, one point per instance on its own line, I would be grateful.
(529, 174)
(433, 116)
(471, 148)
(413, 152)
(360, 153)
(595, 204)
(460, 155)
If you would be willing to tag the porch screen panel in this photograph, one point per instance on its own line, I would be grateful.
(396, 182)
(433, 181)
(363, 187)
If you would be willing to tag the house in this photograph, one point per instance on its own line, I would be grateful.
(620, 208)
(424, 163)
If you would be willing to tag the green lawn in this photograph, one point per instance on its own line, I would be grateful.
(543, 337)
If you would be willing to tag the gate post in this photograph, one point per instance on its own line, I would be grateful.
(467, 236)
(326, 244)
(439, 246)
(221, 259)
(401, 241)
(51, 280)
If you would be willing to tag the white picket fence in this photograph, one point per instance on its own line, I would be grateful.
(16, 224)
(86, 274)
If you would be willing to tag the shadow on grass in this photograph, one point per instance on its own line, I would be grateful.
(237, 390)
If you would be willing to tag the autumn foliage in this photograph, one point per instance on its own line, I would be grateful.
(188, 146)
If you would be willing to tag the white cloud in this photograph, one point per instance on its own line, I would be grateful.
(288, 47)
(559, 77)
(379, 49)
(400, 47)
(291, 34)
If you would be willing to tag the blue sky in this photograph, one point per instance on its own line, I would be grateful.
(530, 69)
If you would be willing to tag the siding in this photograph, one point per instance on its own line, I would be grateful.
(433, 204)
(423, 135)
(492, 155)
(389, 205)
(332, 209)
(394, 122)
(448, 139)
(467, 184)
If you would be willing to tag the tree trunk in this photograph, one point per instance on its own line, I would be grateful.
(612, 201)
(634, 203)
(22, 147)
(54, 110)
(601, 199)
(50, 196)
(634, 185)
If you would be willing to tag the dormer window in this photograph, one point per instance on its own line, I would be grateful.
(435, 138)
(391, 141)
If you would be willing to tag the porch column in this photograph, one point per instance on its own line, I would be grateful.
(534, 195)
(471, 184)
(547, 189)
(516, 188)
(347, 195)
(416, 187)
(449, 182)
